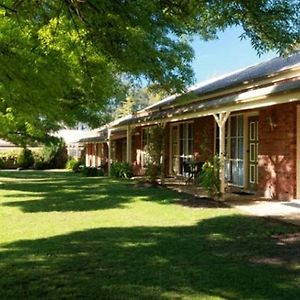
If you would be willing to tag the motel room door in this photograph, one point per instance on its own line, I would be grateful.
(253, 152)
(181, 146)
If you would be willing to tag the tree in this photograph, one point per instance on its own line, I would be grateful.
(62, 61)
(137, 99)
(156, 152)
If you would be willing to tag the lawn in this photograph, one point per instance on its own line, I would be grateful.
(64, 236)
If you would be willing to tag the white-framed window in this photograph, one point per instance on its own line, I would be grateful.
(234, 145)
(145, 142)
(181, 145)
(186, 143)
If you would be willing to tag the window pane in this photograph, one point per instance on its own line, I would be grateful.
(233, 126)
(240, 126)
(190, 131)
(181, 131)
(240, 148)
(235, 172)
(233, 152)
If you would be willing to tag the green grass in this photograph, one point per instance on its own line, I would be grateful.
(65, 236)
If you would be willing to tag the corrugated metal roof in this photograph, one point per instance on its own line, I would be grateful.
(251, 73)
(167, 107)
(205, 105)
(93, 139)
(236, 78)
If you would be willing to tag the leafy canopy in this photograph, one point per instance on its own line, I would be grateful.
(61, 62)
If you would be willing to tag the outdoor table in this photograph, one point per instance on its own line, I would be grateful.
(193, 169)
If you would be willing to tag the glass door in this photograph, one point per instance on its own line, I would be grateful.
(186, 144)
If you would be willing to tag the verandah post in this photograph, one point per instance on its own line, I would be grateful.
(221, 119)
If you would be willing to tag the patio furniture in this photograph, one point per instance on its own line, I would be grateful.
(192, 169)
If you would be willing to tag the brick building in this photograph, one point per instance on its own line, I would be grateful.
(250, 117)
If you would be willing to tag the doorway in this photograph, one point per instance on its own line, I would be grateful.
(181, 146)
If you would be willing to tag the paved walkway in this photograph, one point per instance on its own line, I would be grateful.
(288, 211)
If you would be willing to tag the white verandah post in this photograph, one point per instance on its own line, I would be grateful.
(221, 119)
(109, 150)
(129, 145)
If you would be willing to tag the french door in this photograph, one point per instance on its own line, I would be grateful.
(234, 144)
(235, 161)
(181, 146)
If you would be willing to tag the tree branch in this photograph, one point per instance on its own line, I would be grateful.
(8, 8)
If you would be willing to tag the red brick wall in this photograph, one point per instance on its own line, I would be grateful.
(204, 138)
(119, 150)
(89, 154)
(277, 151)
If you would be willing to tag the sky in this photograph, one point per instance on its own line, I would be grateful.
(227, 54)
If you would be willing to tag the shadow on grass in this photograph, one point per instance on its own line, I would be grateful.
(232, 257)
(33, 192)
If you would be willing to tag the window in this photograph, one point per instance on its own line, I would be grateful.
(186, 142)
(236, 159)
(234, 145)
(145, 142)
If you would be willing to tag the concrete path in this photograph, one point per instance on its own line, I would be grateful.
(288, 211)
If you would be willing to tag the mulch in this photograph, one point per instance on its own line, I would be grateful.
(202, 202)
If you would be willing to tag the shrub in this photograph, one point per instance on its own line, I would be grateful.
(40, 165)
(209, 177)
(91, 172)
(25, 159)
(73, 164)
(9, 158)
(70, 163)
(55, 155)
(121, 170)
(152, 171)
(76, 167)
(2, 163)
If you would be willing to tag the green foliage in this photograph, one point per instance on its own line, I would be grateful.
(55, 155)
(73, 164)
(25, 159)
(62, 61)
(2, 163)
(153, 171)
(70, 163)
(137, 99)
(40, 165)
(121, 170)
(76, 167)
(209, 177)
(51, 156)
(91, 172)
(9, 159)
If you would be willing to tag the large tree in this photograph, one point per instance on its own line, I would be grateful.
(62, 61)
